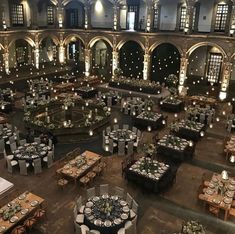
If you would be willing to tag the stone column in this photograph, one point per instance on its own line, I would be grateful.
(87, 23)
(116, 18)
(149, 18)
(34, 14)
(226, 74)
(183, 72)
(87, 62)
(36, 56)
(61, 54)
(115, 61)
(146, 67)
(6, 61)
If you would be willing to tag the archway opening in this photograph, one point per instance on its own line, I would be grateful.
(75, 54)
(204, 71)
(165, 61)
(131, 57)
(101, 58)
(48, 51)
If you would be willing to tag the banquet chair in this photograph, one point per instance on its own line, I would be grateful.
(11, 164)
(29, 223)
(202, 118)
(39, 214)
(50, 143)
(126, 110)
(214, 210)
(80, 207)
(109, 101)
(104, 189)
(108, 129)
(129, 199)
(138, 134)
(134, 209)
(134, 129)
(79, 218)
(130, 147)
(90, 192)
(126, 126)
(18, 230)
(78, 229)
(112, 145)
(1, 127)
(11, 140)
(121, 148)
(115, 127)
(119, 191)
(209, 119)
(37, 139)
(140, 109)
(132, 110)
(23, 142)
(2, 146)
(23, 167)
(37, 166)
(13, 147)
(49, 159)
(134, 222)
(130, 229)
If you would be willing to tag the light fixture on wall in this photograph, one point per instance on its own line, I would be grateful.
(98, 6)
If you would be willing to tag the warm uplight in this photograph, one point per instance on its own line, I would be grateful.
(98, 6)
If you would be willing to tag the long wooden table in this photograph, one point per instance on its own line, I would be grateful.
(72, 170)
(212, 198)
(26, 201)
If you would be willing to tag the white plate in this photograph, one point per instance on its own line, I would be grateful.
(89, 204)
(126, 209)
(14, 219)
(123, 203)
(117, 221)
(34, 203)
(87, 210)
(98, 222)
(107, 223)
(24, 211)
(95, 199)
(22, 197)
(124, 216)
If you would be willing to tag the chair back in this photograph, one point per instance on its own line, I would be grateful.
(130, 229)
(115, 127)
(23, 168)
(79, 203)
(109, 101)
(90, 192)
(37, 139)
(2, 146)
(37, 166)
(104, 189)
(9, 166)
(75, 212)
(13, 147)
(119, 191)
(50, 159)
(111, 146)
(12, 139)
(23, 142)
(134, 129)
(134, 206)
(108, 130)
(130, 148)
(126, 126)
(121, 148)
(129, 199)
(78, 229)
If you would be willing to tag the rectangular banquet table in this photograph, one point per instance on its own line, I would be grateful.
(86, 93)
(172, 107)
(175, 154)
(144, 122)
(25, 204)
(150, 184)
(75, 172)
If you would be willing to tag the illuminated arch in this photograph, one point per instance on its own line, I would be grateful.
(52, 37)
(121, 43)
(95, 39)
(70, 36)
(26, 38)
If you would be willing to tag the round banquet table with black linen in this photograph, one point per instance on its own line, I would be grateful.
(122, 135)
(107, 214)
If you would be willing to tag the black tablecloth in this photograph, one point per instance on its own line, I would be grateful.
(155, 186)
(86, 94)
(145, 123)
(175, 154)
(169, 107)
(189, 134)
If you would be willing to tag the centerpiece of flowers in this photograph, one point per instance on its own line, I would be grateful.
(11, 211)
(192, 227)
(107, 208)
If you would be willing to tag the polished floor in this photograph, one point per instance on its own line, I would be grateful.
(158, 214)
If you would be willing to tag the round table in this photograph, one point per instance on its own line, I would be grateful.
(122, 135)
(106, 213)
(31, 151)
(5, 133)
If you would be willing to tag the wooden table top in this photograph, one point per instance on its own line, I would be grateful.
(72, 170)
(216, 196)
(25, 201)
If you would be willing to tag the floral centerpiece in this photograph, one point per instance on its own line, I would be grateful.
(192, 227)
(149, 149)
(11, 211)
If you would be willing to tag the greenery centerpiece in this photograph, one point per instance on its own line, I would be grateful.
(11, 211)
(192, 227)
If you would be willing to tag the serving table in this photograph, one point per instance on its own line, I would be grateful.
(18, 209)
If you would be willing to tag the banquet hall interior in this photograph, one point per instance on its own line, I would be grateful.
(117, 116)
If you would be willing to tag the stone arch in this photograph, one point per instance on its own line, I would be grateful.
(52, 37)
(26, 38)
(194, 47)
(121, 43)
(156, 44)
(66, 2)
(95, 39)
(70, 36)
(1, 47)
